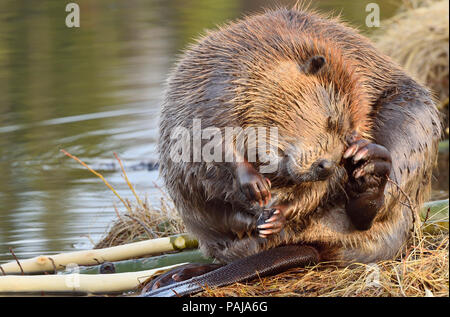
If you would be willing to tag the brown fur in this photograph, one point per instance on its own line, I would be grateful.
(251, 73)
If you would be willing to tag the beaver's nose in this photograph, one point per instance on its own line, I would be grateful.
(325, 168)
(325, 165)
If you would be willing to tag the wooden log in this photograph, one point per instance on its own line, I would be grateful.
(76, 283)
(47, 263)
(193, 256)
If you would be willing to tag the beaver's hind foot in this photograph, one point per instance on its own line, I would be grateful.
(179, 274)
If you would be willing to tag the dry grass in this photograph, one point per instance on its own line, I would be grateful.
(421, 271)
(141, 223)
(417, 38)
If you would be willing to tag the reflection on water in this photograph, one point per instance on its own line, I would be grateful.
(93, 91)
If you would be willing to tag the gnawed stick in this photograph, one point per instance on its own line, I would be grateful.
(43, 263)
(76, 283)
(142, 264)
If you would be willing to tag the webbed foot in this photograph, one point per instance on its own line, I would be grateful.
(178, 274)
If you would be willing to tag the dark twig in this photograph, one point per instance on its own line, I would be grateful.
(411, 205)
(17, 260)
(53, 262)
(176, 294)
(98, 262)
(1, 269)
(427, 216)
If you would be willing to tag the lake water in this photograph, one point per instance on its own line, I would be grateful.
(92, 91)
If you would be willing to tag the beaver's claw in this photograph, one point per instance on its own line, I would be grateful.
(369, 159)
(178, 274)
(271, 221)
(255, 186)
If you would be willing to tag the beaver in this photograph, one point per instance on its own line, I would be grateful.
(348, 119)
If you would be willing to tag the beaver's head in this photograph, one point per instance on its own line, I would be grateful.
(313, 144)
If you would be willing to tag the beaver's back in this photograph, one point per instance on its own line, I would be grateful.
(232, 65)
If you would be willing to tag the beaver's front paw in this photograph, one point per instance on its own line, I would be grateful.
(271, 221)
(255, 186)
(368, 166)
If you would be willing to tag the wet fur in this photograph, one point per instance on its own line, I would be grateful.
(252, 73)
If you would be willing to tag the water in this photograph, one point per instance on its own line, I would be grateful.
(92, 91)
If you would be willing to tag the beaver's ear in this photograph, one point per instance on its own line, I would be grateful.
(313, 65)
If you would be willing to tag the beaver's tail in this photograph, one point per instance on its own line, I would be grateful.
(268, 262)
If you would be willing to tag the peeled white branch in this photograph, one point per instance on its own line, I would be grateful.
(76, 283)
(47, 263)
